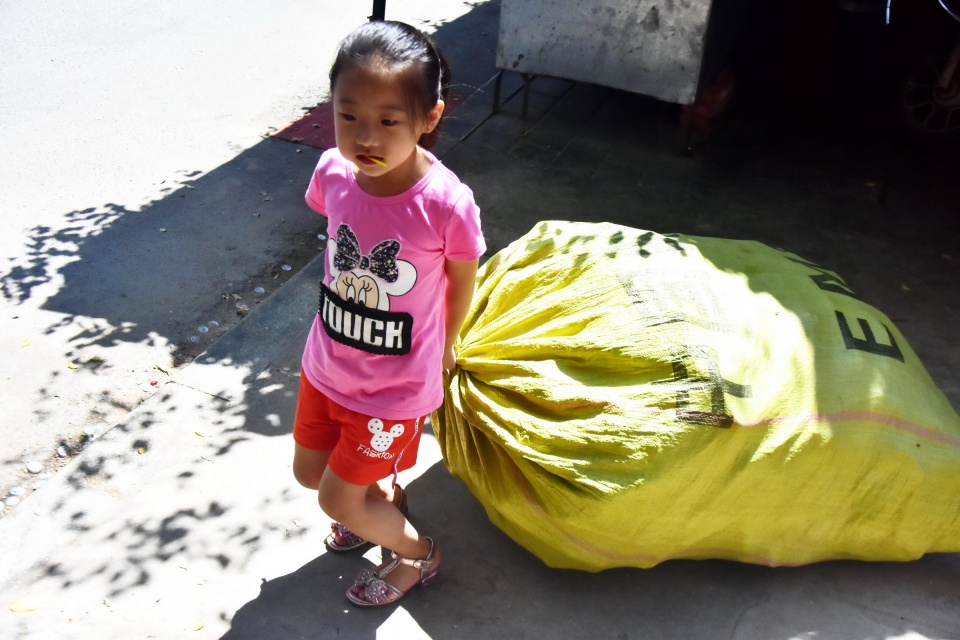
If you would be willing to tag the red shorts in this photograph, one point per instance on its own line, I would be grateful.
(363, 449)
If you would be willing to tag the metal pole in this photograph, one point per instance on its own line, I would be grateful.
(379, 10)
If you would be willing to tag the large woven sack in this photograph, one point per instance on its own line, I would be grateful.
(622, 398)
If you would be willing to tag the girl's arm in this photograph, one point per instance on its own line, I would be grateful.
(461, 281)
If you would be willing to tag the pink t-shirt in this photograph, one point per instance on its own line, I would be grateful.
(377, 341)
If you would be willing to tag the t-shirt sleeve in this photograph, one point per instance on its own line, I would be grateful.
(463, 238)
(314, 195)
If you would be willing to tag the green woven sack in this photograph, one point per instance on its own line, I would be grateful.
(622, 398)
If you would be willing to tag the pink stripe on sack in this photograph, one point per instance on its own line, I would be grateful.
(862, 416)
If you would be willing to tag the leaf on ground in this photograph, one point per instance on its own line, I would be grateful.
(18, 606)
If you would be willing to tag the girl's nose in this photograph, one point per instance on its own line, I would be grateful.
(367, 136)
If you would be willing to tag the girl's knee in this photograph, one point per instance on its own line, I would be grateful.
(333, 503)
(308, 466)
(307, 477)
(340, 499)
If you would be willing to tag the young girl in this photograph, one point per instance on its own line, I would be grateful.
(402, 259)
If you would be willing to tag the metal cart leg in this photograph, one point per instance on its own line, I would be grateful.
(496, 92)
(527, 81)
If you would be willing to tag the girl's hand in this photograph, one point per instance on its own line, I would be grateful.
(449, 358)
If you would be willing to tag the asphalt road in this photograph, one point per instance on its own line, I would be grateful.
(144, 202)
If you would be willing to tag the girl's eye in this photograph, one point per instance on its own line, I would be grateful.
(348, 117)
(389, 123)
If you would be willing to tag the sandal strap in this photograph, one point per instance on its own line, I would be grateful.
(342, 539)
(376, 590)
(423, 564)
(344, 533)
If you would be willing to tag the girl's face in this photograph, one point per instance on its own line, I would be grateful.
(376, 133)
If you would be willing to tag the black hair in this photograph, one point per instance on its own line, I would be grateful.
(396, 48)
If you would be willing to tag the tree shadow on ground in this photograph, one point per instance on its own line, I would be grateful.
(126, 295)
(157, 273)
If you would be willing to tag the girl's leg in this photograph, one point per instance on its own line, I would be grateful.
(308, 469)
(309, 465)
(385, 489)
(375, 518)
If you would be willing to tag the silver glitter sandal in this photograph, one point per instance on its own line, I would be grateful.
(371, 590)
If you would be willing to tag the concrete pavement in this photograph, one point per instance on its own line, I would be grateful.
(141, 198)
(184, 519)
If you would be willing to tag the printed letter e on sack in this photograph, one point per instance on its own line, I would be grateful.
(869, 342)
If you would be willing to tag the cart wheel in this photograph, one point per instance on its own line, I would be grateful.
(928, 113)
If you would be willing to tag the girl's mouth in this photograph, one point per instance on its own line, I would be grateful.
(371, 160)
